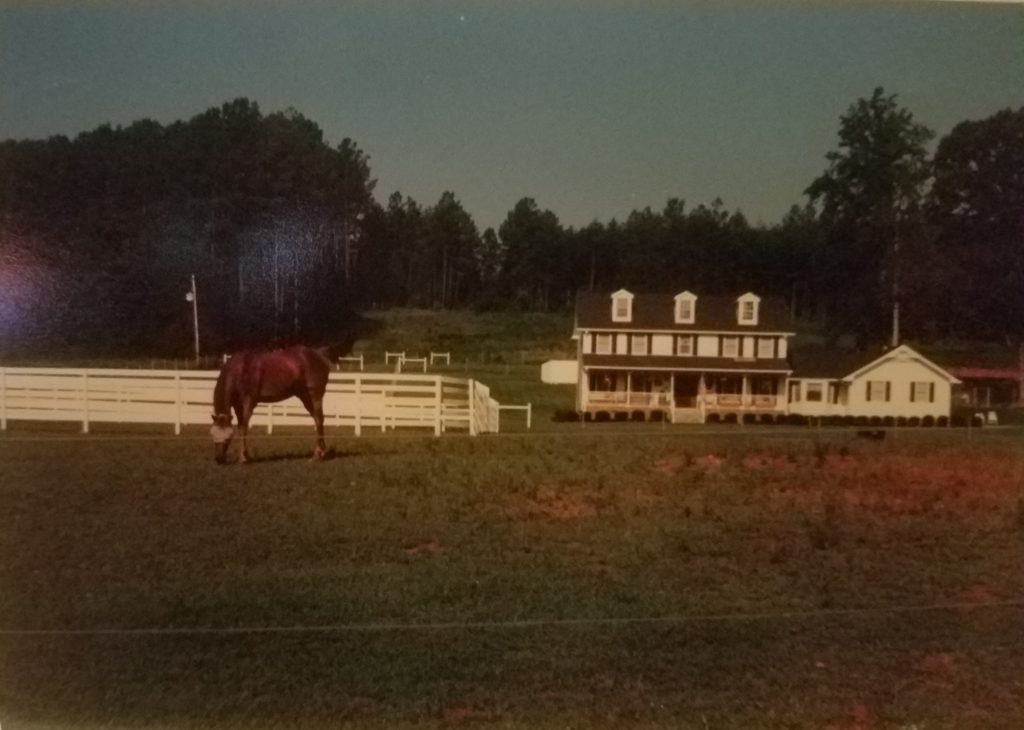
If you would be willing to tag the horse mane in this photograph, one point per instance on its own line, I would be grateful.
(220, 392)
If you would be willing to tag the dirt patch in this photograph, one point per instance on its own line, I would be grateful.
(940, 667)
(769, 462)
(432, 547)
(860, 718)
(556, 504)
(978, 593)
(671, 465)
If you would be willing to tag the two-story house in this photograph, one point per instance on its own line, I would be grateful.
(681, 356)
(690, 358)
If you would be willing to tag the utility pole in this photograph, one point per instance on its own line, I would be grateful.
(192, 297)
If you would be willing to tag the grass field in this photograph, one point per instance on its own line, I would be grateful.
(580, 578)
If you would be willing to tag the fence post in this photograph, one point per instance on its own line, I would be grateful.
(177, 403)
(3, 399)
(359, 404)
(471, 389)
(438, 412)
(529, 415)
(85, 401)
(270, 418)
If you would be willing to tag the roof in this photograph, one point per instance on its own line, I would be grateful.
(675, 362)
(828, 364)
(651, 311)
(845, 364)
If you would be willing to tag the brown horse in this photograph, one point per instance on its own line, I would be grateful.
(251, 377)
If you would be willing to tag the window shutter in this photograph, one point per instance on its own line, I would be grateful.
(912, 389)
(868, 386)
(887, 391)
(931, 392)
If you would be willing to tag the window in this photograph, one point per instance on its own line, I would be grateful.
(922, 392)
(878, 390)
(622, 309)
(747, 311)
(684, 345)
(684, 310)
(730, 347)
(603, 345)
(814, 392)
(638, 344)
(765, 348)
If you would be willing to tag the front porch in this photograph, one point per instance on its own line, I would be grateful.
(682, 396)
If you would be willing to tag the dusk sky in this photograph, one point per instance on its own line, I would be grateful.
(594, 109)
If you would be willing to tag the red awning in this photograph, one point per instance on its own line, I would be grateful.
(986, 373)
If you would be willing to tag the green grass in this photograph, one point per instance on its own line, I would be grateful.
(567, 526)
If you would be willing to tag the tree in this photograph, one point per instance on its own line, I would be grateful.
(977, 206)
(532, 240)
(870, 198)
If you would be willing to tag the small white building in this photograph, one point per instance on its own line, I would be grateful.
(900, 382)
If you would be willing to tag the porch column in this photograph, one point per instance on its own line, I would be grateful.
(671, 397)
(745, 397)
(629, 386)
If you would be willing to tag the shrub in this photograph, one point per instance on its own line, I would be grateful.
(942, 421)
(750, 418)
(875, 421)
(888, 421)
(847, 420)
(621, 416)
(977, 420)
(959, 421)
(860, 421)
(714, 418)
(638, 416)
(602, 416)
(901, 421)
(928, 421)
(729, 418)
(767, 418)
(796, 419)
(914, 421)
(657, 416)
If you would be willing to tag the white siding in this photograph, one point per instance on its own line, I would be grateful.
(824, 407)
(621, 344)
(748, 347)
(781, 353)
(900, 376)
(661, 345)
(707, 346)
(588, 343)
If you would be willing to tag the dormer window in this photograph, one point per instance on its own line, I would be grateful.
(622, 306)
(685, 308)
(747, 309)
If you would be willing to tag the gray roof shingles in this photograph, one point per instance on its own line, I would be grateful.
(713, 313)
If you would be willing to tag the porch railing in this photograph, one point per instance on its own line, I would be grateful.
(749, 401)
(629, 400)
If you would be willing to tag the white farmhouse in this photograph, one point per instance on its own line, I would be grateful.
(689, 358)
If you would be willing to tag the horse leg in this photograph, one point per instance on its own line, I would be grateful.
(315, 405)
(244, 414)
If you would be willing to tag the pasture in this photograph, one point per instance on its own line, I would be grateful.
(599, 577)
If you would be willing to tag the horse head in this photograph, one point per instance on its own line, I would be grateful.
(221, 432)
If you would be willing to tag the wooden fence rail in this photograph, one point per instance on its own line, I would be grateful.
(356, 400)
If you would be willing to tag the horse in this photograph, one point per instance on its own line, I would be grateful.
(258, 376)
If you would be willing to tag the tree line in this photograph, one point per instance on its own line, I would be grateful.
(99, 234)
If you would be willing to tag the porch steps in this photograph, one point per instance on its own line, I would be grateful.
(686, 415)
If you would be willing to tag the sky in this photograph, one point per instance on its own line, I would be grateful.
(593, 109)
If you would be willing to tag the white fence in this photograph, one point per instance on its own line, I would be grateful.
(356, 400)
